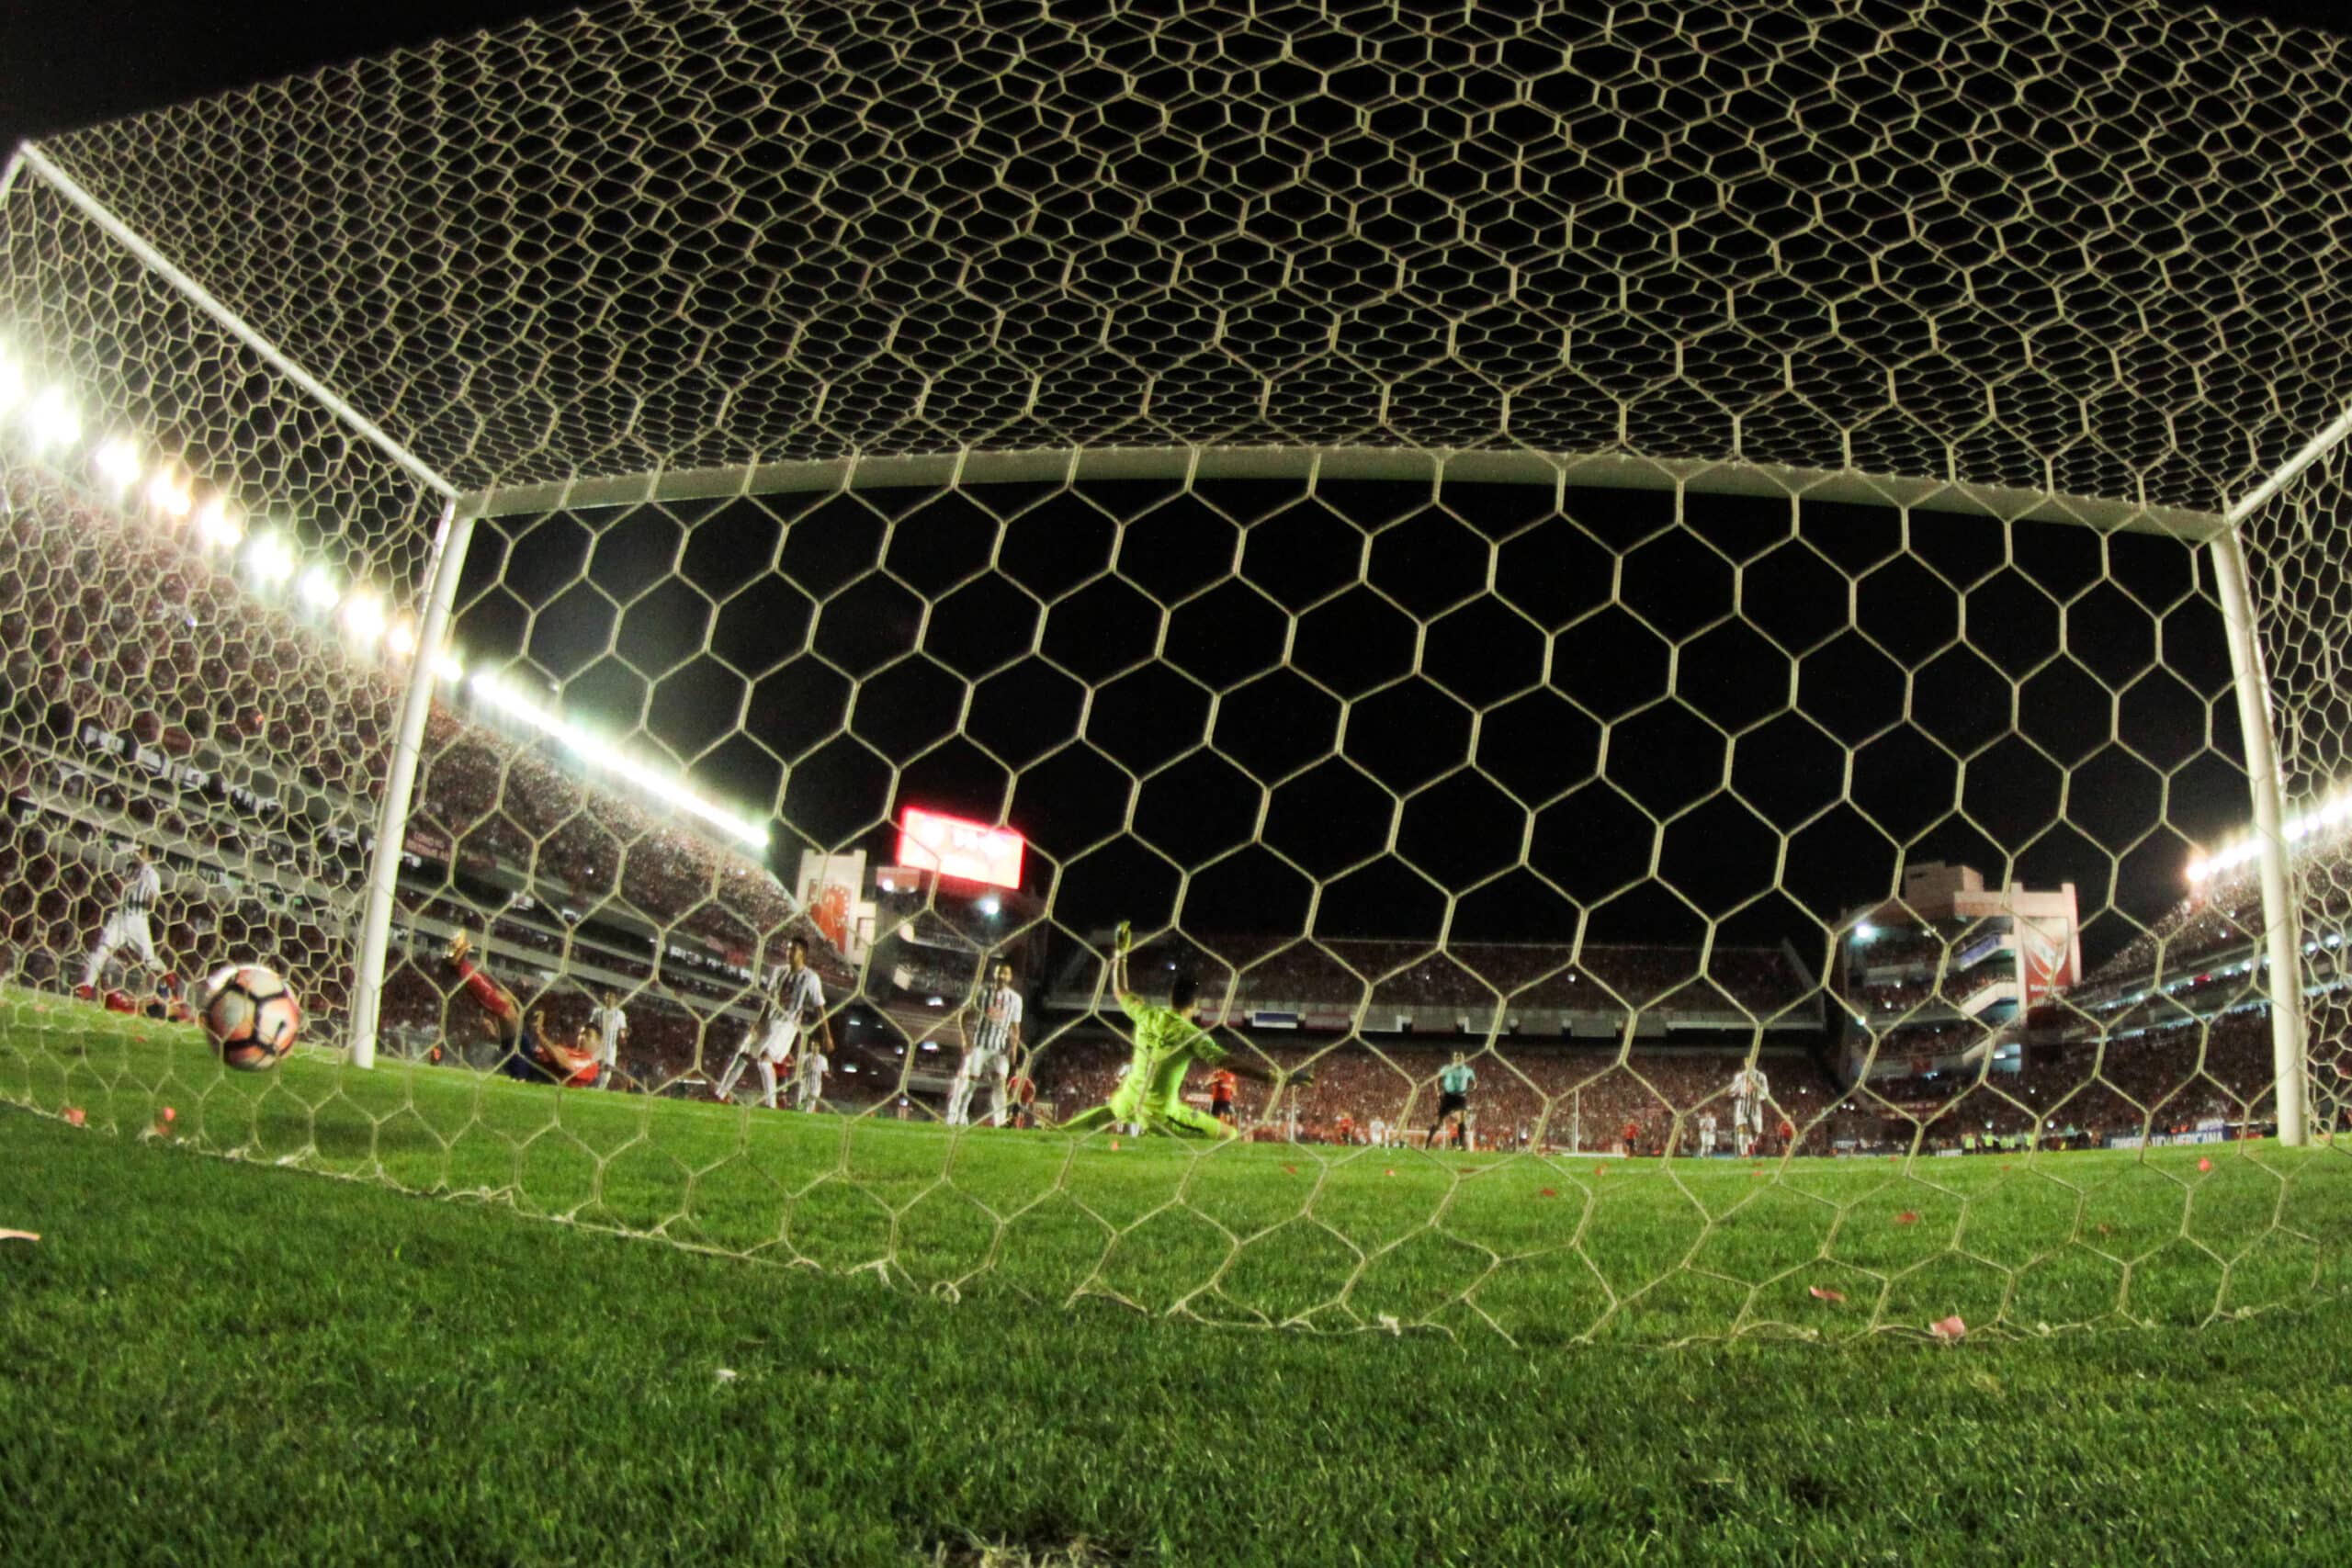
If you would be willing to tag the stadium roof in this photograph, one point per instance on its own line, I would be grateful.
(2079, 250)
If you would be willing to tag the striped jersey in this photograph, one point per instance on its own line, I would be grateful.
(795, 996)
(999, 1013)
(608, 1024)
(1748, 1086)
(141, 889)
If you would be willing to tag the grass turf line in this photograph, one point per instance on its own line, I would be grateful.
(211, 1362)
(1543, 1250)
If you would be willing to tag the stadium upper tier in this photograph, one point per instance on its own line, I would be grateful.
(2004, 252)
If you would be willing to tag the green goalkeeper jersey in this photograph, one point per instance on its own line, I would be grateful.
(1455, 1078)
(1167, 1045)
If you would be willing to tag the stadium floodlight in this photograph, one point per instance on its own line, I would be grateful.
(989, 906)
(117, 461)
(362, 615)
(271, 556)
(1865, 932)
(448, 667)
(319, 590)
(400, 638)
(218, 522)
(490, 689)
(168, 495)
(51, 420)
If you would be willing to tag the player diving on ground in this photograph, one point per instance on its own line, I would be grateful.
(533, 1051)
(1150, 1097)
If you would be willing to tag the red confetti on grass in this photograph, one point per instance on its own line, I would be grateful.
(1467, 1169)
(2204, 1163)
(1906, 1218)
(76, 1116)
(19, 1235)
(170, 1115)
(1392, 1170)
(1951, 1330)
(1551, 1192)
(1291, 1168)
(1820, 1294)
(1598, 1170)
(1115, 1146)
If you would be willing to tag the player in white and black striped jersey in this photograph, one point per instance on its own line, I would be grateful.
(126, 926)
(989, 1053)
(1750, 1092)
(609, 1027)
(794, 1001)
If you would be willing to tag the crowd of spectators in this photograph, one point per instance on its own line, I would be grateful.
(1338, 973)
(148, 691)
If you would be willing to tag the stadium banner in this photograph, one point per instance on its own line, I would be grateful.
(830, 888)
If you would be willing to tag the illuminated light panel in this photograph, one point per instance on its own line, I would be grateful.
(51, 418)
(167, 495)
(318, 589)
(218, 524)
(951, 846)
(362, 615)
(117, 462)
(271, 556)
(487, 688)
(2301, 825)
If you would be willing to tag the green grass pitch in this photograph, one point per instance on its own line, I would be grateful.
(218, 1361)
(1540, 1250)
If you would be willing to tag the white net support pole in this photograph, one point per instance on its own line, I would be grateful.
(449, 546)
(160, 265)
(2282, 928)
(8, 171)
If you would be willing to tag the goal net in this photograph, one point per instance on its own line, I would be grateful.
(1635, 611)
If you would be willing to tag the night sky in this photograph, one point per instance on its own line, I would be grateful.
(2101, 774)
(74, 63)
(2038, 701)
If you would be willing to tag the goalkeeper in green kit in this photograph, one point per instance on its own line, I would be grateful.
(1151, 1097)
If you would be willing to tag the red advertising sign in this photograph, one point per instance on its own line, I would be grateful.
(950, 846)
(2047, 958)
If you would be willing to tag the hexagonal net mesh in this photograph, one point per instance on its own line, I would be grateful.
(156, 470)
(1094, 428)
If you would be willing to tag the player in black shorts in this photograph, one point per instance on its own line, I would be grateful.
(1455, 1082)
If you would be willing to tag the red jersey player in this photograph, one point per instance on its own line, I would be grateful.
(1221, 1087)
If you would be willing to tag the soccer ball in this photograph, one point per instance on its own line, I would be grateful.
(250, 1015)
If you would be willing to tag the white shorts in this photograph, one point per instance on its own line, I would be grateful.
(1749, 1117)
(776, 1044)
(127, 927)
(983, 1065)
